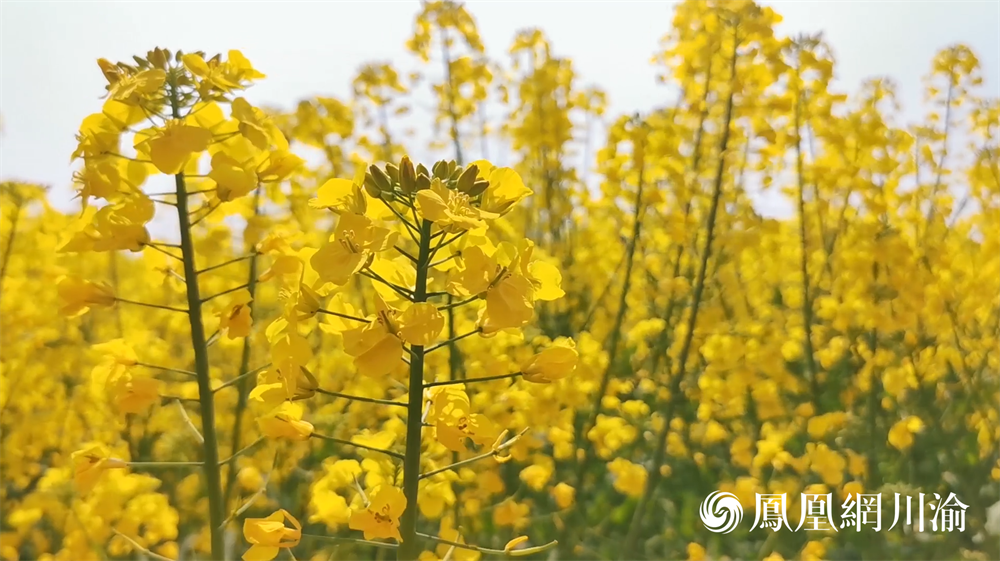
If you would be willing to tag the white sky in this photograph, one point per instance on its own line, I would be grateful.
(49, 80)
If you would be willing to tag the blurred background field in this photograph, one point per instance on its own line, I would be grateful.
(780, 270)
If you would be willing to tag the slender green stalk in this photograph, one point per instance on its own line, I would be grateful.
(471, 380)
(8, 250)
(654, 475)
(224, 292)
(396, 455)
(242, 386)
(359, 398)
(358, 541)
(807, 304)
(470, 547)
(164, 465)
(230, 262)
(166, 369)
(340, 315)
(148, 305)
(613, 341)
(409, 549)
(660, 348)
(242, 451)
(243, 377)
(139, 548)
(451, 341)
(213, 479)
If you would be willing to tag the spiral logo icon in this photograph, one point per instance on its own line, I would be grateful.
(721, 512)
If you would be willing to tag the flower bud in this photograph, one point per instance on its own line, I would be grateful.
(407, 176)
(393, 172)
(440, 170)
(553, 363)
(423, 182)
(467, 179)
(382, 180)
(423, 170)
(158, 58)
(478, 188)
(371, 186)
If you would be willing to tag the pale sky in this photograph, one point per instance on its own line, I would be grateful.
(49, 79)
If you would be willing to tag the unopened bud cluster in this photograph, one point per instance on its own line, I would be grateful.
(406, 178)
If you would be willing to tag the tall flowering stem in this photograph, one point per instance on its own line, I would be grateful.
(414, 409)
(213, 478)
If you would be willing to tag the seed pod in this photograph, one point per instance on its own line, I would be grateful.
(441, 170)
(371, 186)
(423, 182)
(407, 176)
(467, 179)
(478, 188)
(393, 172)
(382, 180)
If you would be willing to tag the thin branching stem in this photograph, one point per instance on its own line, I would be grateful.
(230, 262)
(404, 292)
(148, 305)
(360, 398)
(458, 304)
(445, 242)
(167, 369)
(357, 541)
(472, 380)
(344, 316)
(141, 549)
(469, 547)
(245, 375)
(405, 254)
(187, 420)
(452, 340)
(396, 455)
(493, 452)
(242, 451)
(443, 261)
(224, 292)
(164, 465)
(163, 251)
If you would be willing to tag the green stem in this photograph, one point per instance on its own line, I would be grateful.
(340, 315)
(242, 451)
(450, 342)
(614, 340)
(336, 539)
(242, 386)
(164, 465)
(807, 311)
(409, 549)
(396, 455)
(359, 398)
(471, 380)
(239, 379)
(676, 396)
(148, 305)
(166, 369)
(9, 249)
(213, 479)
